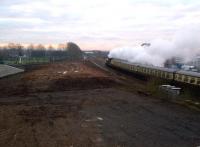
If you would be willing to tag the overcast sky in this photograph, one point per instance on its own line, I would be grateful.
(94, 24)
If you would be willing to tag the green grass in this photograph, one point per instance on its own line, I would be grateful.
(25, 61)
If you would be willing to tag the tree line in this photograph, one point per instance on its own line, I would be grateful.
(13, 51)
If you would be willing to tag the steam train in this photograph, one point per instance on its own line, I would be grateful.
(188, 77)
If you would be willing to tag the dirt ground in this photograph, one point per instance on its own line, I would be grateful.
(75, 104)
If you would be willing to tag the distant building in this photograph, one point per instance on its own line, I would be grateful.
(174, 62)
(195, 62)
(179, 62)
(189, 68)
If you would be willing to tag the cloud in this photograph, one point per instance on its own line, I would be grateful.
(123, 21)
(185, 44)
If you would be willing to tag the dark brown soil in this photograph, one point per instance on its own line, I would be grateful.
(55, 77)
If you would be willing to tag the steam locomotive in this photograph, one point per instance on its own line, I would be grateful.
(182, 76)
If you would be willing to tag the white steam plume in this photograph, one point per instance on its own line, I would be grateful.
(184, 44)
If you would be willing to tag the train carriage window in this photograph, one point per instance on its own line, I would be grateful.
(132, 67)
(171, 75)
(138, 69)
(160, 74)
(147, 70)
(143, 70)
(156, 72)
(192, 80)
(177, 76)
(163, 74)
(152, 71)
(167, 75)
(180, 77)
(198, 81)
(186, 79)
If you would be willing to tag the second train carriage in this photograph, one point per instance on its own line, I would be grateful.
(187, 77)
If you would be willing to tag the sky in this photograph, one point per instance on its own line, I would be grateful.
(94, 24)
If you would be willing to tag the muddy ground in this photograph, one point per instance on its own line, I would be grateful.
(75, 104)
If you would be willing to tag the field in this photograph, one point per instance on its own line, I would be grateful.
(77, 104)
(24, 61)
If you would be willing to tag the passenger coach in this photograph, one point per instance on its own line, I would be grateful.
(165, 73)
